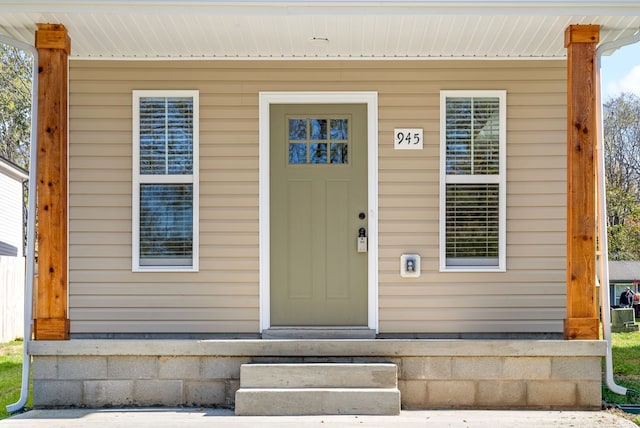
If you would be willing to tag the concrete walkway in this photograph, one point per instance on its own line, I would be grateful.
(194, 418)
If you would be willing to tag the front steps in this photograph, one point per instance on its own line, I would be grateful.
(319, 333)
(318, 389)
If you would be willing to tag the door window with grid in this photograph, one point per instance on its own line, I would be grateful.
(318, 140)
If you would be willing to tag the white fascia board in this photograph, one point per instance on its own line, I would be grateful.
(332, 7)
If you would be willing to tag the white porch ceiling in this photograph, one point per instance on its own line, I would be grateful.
(341, 29)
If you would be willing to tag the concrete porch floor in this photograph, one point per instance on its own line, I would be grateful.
(164, 417)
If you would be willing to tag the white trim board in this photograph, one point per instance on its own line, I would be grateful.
(371, 100)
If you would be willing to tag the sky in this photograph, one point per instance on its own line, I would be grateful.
(620, 72)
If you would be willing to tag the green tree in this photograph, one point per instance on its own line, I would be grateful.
(15, 104)
(621, 120)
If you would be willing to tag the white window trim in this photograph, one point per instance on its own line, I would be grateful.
(194, 178)
(500, 178)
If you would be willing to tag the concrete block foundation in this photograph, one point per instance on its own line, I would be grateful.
(433, 374)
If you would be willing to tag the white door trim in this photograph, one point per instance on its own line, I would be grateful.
(371, 100)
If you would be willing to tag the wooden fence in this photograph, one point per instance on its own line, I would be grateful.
(12, 273)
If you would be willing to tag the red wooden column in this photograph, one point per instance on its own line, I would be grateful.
(582, 317)
(51, 320)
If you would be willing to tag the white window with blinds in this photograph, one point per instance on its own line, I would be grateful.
(473, 181)
(165, 181)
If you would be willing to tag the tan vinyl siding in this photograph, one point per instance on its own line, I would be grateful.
(223, 297)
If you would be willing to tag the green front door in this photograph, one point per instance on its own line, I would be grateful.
(318, 192)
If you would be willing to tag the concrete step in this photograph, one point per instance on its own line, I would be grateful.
(319, 375)
(318, 389)
(319, 333)
(317, 401)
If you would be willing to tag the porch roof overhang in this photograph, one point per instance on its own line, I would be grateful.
(331, 29)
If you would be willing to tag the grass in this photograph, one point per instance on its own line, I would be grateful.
(626, 369)
(10, 375)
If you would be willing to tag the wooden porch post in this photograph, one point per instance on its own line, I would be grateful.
(51, 321)
(582, 317)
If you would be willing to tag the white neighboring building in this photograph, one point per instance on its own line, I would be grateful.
(12, 178)
(12, 263)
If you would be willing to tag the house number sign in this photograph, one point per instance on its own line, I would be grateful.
(407, 138)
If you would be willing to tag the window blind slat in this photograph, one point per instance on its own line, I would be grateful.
(472, 221)
(166, 221)
(472, 135)
(166, 135)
